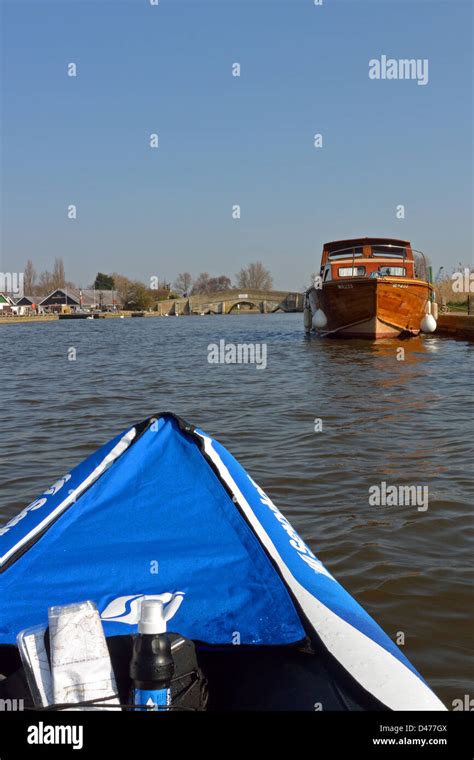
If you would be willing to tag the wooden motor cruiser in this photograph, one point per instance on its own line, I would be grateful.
(371, 288)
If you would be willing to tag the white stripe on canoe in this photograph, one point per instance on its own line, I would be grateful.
(117, 451)
(376, 669)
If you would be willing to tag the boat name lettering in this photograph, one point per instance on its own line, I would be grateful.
(304, 552)
(57, 486)
(51, 491)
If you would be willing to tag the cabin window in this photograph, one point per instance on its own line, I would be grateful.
(346, 253)
(389, 251)
(327, 274)
(351, 271)
(392, 271)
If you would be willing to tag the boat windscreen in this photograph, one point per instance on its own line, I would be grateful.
(389, 251)
(345, 253)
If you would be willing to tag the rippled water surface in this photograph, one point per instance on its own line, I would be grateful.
(402, 422)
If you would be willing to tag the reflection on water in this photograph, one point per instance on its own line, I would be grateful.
(403, 422)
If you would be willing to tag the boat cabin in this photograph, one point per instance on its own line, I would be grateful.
(371, 257)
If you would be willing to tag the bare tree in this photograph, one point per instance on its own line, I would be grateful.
(49, 281)
(58, 274)
(201, 284)
(183, 283)
(217, 284)
(29, 278)
(255, 277)
(45, 284)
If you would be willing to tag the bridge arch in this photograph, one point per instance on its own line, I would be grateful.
(235, 305)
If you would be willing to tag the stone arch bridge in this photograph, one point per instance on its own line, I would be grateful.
(233, 301)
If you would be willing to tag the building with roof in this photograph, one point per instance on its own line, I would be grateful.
(77, 300)
(27, 301)
(6, 303)
(27, 305)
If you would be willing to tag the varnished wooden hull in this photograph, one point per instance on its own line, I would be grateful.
(373, 308)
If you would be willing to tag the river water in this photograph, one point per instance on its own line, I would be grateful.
(402, 422)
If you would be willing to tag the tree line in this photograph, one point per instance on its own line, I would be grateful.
(252, 277)
(138, 295)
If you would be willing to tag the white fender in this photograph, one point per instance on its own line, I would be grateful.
(428, 323)
(319, 319)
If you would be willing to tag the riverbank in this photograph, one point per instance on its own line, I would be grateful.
(40, 318)
(116, 315)
(456, 325)
(55, 317)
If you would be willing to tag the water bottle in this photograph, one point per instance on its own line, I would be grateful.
(152, 666)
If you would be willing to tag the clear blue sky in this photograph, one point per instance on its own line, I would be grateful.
(226, 140)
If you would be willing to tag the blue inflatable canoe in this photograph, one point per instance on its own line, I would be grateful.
(164, 511)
